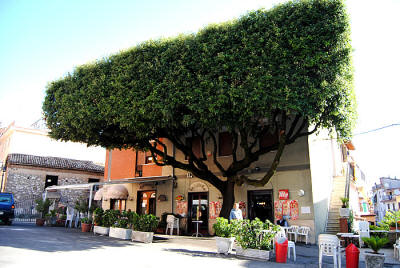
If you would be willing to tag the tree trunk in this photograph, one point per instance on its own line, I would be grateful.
(228, 195)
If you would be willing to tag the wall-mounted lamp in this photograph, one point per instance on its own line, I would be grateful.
(300, 192)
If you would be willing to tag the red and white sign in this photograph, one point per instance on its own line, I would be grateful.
(283, 194)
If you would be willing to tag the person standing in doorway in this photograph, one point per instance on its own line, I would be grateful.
(236, 213)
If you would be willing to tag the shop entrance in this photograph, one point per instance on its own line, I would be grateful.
(198, 210)
(261, 205)
(146, 202)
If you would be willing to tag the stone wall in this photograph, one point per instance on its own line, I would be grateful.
(28, 182)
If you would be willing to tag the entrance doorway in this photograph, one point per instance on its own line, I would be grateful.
(146, 202)
(198, 210)
(261, 205)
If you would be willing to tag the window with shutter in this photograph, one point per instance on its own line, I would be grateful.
(269, 139)
(196, 146)
(225, 144)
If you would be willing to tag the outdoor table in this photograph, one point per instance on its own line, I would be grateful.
(197, 228)
(348, 238)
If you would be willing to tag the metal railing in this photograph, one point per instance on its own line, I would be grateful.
(25, 210)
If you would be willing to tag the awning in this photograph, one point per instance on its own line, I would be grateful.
(99, 195)
(53, 195)
(117, 191)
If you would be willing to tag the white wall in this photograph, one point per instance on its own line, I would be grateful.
(323, 165)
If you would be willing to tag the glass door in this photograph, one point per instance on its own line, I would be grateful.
(146, 202)
(198, 210)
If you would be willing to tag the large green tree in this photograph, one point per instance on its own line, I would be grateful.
(286, 71)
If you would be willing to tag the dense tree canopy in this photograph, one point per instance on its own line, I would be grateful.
(286, 70)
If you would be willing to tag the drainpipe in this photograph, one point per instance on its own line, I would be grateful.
(109, 165)
(90, 199)
(173, 180)
(3, 170)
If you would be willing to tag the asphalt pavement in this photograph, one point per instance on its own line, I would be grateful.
(26, 245)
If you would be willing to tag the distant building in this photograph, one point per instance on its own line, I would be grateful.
(386, 196)
(35, 141)
(27, 176)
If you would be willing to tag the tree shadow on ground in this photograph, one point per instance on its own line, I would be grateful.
(54, 239)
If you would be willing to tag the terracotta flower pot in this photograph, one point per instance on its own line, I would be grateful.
(86, 227)
(40, 222)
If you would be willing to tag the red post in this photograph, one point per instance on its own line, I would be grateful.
(352, 256)
(281, 250)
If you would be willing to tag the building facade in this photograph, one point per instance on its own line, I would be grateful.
(299, 190)
(386, 196)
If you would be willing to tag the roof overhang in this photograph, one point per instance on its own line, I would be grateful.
(85, 186)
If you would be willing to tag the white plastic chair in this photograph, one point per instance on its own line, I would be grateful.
(77, 220)
(70, 217)
(396, 249)
(363, 230)
(292, 231)
(329, 245)
(302, 231)
(172, 223)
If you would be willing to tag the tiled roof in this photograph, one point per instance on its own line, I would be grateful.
(53, 162)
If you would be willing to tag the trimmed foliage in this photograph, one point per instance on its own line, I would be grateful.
(250, 234)
(285, 72)
(375, 243)
(223, 228)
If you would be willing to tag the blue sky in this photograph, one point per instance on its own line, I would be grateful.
(43, 40)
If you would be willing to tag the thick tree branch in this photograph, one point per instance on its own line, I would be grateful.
(215, 152)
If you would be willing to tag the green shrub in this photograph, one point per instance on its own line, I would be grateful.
(249, 234)
(345, 202)
(145, 223)
(375, 243)
(390, 219)
(86, 220)
(222, 227)
(43, 207)
(99, 216)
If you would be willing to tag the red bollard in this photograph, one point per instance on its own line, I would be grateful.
(352, 255)
(281, 246)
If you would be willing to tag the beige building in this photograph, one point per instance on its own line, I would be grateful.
(304, 177)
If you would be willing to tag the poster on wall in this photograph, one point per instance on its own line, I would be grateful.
(242, 207)
(277, 210)
(215, 209)
(285, 207)
(181, 207)
(294, 210)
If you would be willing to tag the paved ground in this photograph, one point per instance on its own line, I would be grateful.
(25, 245)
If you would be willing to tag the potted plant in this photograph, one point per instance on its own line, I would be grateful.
(51, 218)
(344, 211)
(42, 206)
(86, 224)
(122, 226)
(224, 239)
(375, 259)
(390, 219)
(101, 222)
(144, 227)
(61, 220)
(254, 238)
